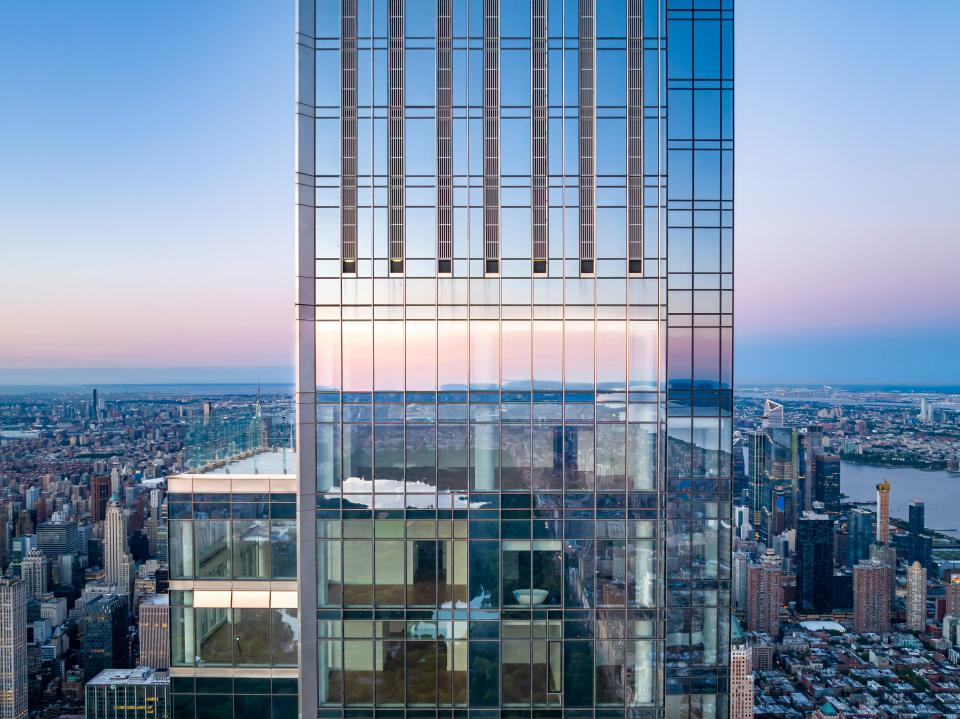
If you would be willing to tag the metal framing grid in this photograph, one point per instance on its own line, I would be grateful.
(635, 136)
(397, 140)
(538, 140)
(588, 128)
(491, 136)
(444, 137)
(348, 137)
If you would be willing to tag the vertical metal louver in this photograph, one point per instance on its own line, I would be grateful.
(587, 117)
(635, 136)
(348, 137)
(538, 138)
(395, 131)
(444, 137)
(491, 135)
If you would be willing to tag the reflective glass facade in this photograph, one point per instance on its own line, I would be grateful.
(514, 311)
(234, 614)
(232, 536)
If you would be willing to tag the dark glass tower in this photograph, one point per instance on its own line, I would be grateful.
(104, 634)
(859, 535)
(917, 523)
(815, 563)
(826, 470)
(514, 383)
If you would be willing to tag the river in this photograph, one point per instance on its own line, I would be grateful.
(19, 434)
(936, 489)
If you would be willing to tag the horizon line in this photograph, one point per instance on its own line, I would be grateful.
(241, 374)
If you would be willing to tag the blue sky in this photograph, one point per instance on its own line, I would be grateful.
(146, 198)
(146, 203)
(846, 165)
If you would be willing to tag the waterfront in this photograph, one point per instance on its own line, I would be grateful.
(935, 488)
(18, 434)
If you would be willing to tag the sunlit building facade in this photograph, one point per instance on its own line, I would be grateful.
(916, 597)
(140, 693)
(741, 680)
(883, 513)
(765, 594)
(13, 648)
(514, 380)
(871, 596)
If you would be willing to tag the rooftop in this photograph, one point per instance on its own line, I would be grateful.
(820, 626)
(140, 675)
(156, 600)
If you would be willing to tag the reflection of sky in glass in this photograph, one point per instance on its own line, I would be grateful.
(424, 355)
(514, 131)
(541, 384)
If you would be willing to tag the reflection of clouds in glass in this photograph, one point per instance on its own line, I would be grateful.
(390, 494)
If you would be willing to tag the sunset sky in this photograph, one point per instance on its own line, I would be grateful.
(146, 197)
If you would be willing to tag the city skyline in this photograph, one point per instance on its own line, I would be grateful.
(836, 318)
(513, 479)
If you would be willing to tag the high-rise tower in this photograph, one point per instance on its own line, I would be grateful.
(33, 571)
(116, 559)
(916, 597)
(859, 535)
(887, 556)
(765, 594)
(772, 414)
(741, 679)
(514, 370)
(740, 580)
(871, 596)
(953, 597)
(920, 544)
(916, 514)
(13, 649)
(99, 496)
(883, 513)
(826, 480)
(815, 563)
(105, 644)
(154, 632)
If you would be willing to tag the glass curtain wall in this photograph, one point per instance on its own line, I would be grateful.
(515, 355)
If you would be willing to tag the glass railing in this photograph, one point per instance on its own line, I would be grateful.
(241, 437)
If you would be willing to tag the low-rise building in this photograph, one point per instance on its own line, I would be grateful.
(139, 693)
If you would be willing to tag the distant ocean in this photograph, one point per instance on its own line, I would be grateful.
(905, 388)
(182, 388)
(201, 384)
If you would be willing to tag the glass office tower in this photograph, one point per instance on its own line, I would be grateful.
(514, 312)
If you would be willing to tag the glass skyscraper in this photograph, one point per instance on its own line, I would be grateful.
(514, 363)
